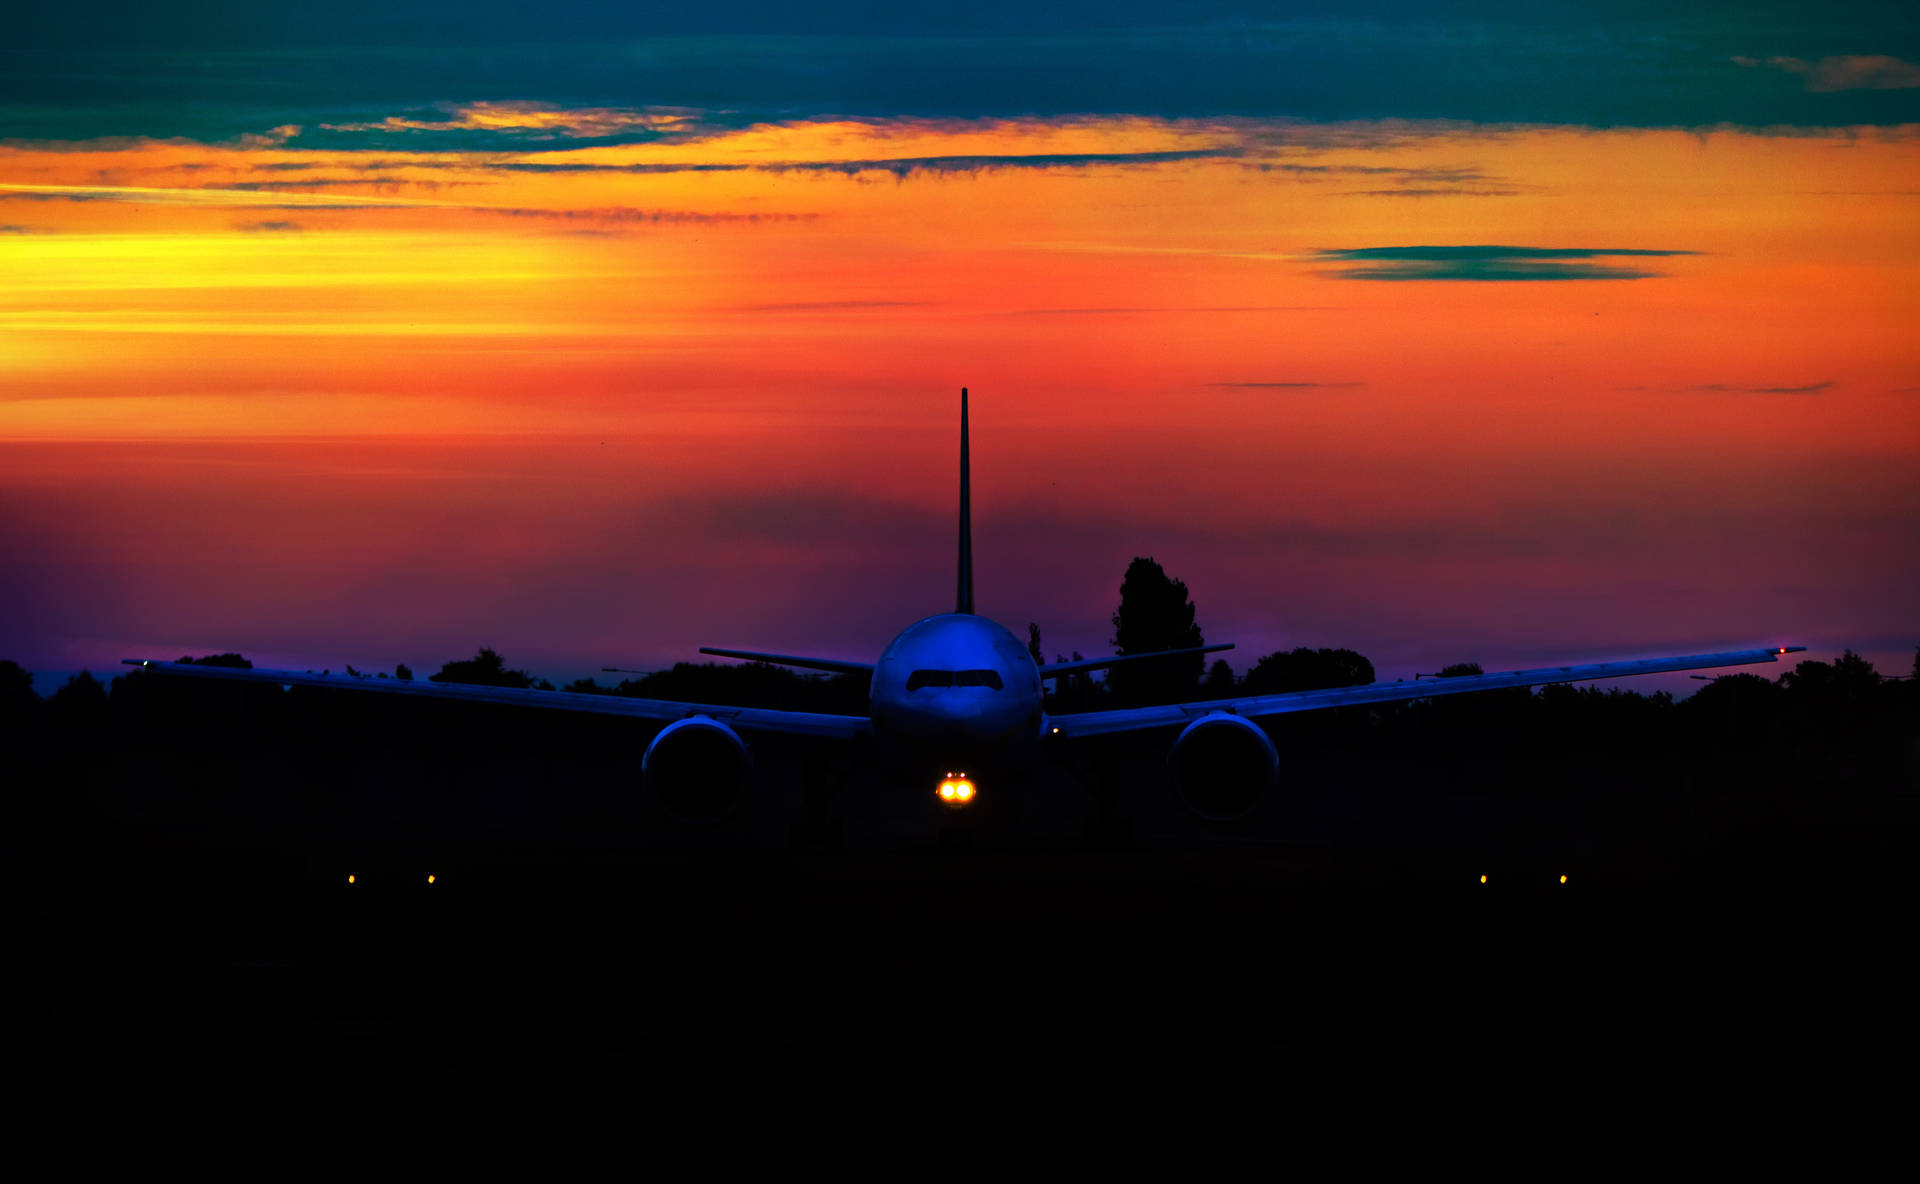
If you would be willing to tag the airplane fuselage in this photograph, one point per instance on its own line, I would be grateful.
(957, 688)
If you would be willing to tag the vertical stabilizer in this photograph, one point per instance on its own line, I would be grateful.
(964, 598)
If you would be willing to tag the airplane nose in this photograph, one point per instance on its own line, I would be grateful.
(945, 720)
(958, 708)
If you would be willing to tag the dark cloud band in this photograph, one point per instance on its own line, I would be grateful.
(214, 70)
(1488, 263)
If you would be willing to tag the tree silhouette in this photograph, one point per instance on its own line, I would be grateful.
(83, 698)
(750, 684)
(485, 669)
(18, 702)
(1735, 707)
(1033, 644)
(1154, 614)
(1303, 669)
(16, 684)
(234, 661)
(1849, 681)
(1219, 684)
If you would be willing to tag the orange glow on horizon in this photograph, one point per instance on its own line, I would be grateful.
(606, 293)
(320, 366)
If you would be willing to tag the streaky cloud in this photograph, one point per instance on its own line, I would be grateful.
(1289, 386)
(1724, 388)
(1119, 311)
(322, 183)
(30, 195)
(1847, 72)
(627, 214)
(1488, 263)
(1505, 272)
(209, 196)
(251, 196)
(1490, 252)
(1431, 192)
(537, 120)
(830, 305)
(900, 168)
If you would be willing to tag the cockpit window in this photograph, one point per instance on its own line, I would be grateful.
(954, 678)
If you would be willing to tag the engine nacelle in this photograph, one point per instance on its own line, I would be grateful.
(699, 768)
(1222, 764)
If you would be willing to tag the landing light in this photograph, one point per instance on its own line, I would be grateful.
(956, 790)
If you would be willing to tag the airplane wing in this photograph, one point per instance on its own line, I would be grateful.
(1059, 668)
(1131, 719)
(746, 719)
(833, 664)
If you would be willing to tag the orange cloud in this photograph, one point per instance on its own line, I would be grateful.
(544, 119)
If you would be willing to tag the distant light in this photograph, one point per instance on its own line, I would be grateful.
(956, 790)
(429, 877)
(964, 791)
(1563, 879)
(349, 877)
(946, 791)
(1056, 731)
(1483, 879)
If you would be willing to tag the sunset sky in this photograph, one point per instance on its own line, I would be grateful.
(378, 332)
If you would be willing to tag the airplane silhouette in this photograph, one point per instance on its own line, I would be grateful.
(959, 692)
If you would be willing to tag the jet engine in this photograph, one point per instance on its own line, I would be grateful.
(1221, 765)
(699, 768)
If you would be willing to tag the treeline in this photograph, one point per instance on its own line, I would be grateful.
(1155, 613)
(1813, 706)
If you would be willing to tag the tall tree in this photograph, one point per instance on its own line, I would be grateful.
(1154, 614)
(1033, 644)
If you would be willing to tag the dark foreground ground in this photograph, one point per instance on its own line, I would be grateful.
(268, 860)
(506, 869)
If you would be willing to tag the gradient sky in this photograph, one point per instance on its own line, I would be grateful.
(595, 333)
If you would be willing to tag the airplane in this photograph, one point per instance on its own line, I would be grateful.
(958, 693)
